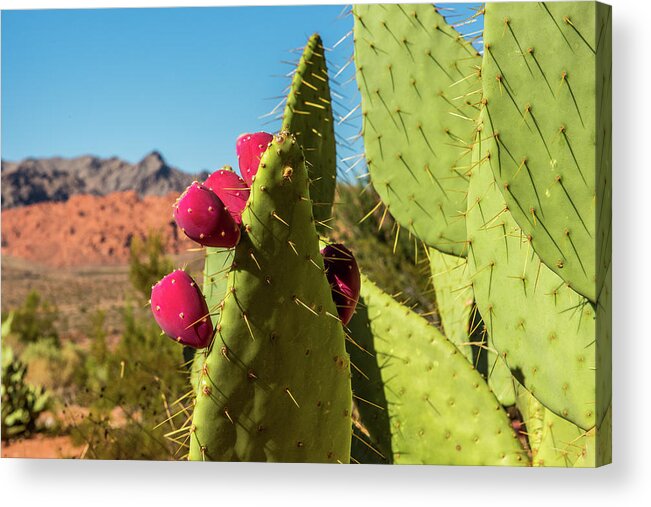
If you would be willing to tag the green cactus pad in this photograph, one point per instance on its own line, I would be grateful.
(419, 400)
(217, 265)
(308, 114)
(539, 75)
(454, 297)
(275, 385)
(419, 81)
(500, 379)
(544, 331)
(215, 275)
(554, 441)
(462, 323)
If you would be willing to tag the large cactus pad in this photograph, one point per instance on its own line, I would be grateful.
(544, 331)
(419, 400)
(539, 79)
(419, 84)
(275, 385)
(308, 114)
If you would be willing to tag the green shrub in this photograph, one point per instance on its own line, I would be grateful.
(35, 320)
(143, 377)
(148, 262)
(57, 368)
(22, 403)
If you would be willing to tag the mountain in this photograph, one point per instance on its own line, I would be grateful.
(35, 180)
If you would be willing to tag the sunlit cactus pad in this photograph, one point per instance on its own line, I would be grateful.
(419, 400)
(275, 385)
(308, 114)
(420, 88)
(544, 98)
(544, 331)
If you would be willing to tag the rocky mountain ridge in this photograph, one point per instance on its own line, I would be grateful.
(35, 180)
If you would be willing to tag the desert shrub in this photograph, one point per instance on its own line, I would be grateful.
(147, 262)
(57, 368)
(22, 402)
(131, 388)
(96, 364)
(35, 320)
(128, 411)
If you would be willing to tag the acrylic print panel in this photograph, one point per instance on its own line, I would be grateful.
(397, 253)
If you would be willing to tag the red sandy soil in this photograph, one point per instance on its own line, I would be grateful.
(42, 447)
(89, 230)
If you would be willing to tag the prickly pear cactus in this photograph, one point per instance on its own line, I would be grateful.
(275, 385)
(462, 324)
(22, 403)
(419, 81)
(539, 73)
(419, 400)
(554, 441)
(308, 115)
(544, 331)
(454, 298)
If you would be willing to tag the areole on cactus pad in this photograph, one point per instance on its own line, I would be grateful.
(181, 311)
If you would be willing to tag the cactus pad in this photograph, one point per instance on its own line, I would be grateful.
(419, 81)
(544, 331)
(308, 114)
(275, 385)
(539, 76)
(554, 441)
(419, 400)
(454, 298)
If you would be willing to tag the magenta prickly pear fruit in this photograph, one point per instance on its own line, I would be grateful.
(203, 217)
(249, 148)
(343, 274)
(181, 310)
(231, 189)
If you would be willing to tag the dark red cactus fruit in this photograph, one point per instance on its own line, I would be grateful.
(249, 148)
(203, 218)
(181, 310)
(343, 274)
(231, 189)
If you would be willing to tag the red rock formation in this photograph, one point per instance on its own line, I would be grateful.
(89, 230)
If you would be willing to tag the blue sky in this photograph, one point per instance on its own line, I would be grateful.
(185, 82)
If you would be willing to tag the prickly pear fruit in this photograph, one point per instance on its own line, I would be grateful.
(203, 218)
(181, 310)
(249, 148)
(343, 274)
(231, 189)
